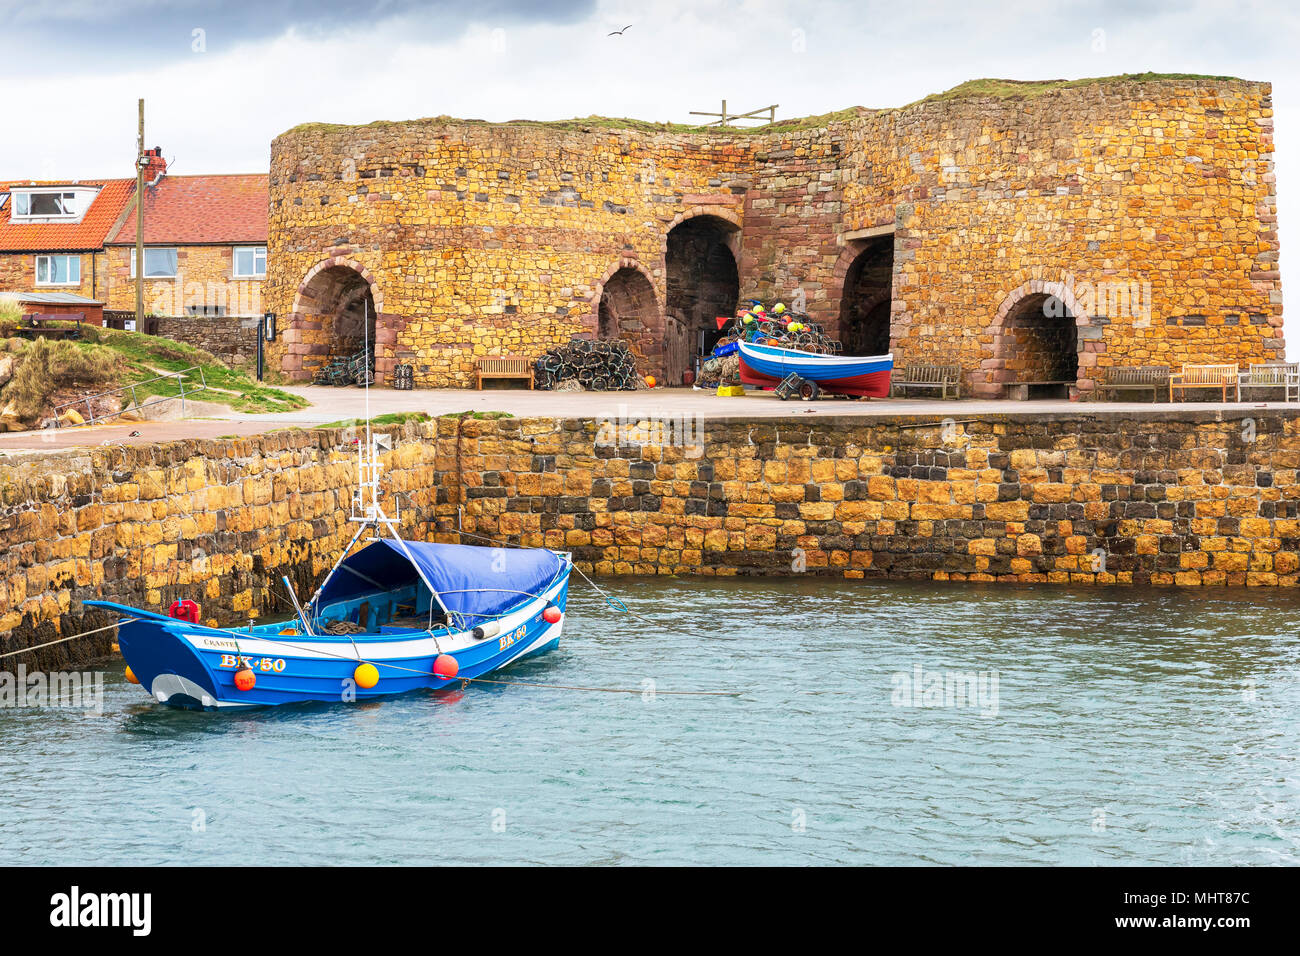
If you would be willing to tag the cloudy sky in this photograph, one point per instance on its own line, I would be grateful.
(220, 80)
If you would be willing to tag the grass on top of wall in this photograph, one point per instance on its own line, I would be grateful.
(985, 87)
(1023, 89)
(388, 418)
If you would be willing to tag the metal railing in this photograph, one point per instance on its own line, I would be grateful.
(93, 419)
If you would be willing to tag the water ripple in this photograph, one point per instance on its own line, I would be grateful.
(1129, 727)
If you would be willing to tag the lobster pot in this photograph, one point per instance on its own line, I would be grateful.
(596, 366)
(404, 377)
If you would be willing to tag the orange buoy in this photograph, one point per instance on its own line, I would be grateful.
(366, 676)
(446, 666)
(130, 676)
(245, 679)
(552, 614)
(650, 381)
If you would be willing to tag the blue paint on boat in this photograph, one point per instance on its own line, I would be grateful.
(495, 599)
(767, 365)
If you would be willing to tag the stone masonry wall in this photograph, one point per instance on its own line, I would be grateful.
(1148, 208)
(1184, 498)
(18, 274)
(204, 277)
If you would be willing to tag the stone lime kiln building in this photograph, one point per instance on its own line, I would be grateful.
(1029, 233)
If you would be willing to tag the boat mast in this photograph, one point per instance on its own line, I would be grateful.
(367, 512)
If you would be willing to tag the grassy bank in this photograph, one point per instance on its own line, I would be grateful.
(47, 371)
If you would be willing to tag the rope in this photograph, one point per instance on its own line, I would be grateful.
(616, 603)
(62, 640)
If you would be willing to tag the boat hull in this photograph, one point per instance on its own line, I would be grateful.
(766, 365)
(191, 666)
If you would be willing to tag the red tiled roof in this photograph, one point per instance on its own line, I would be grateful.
(203, 209)
(73, 236)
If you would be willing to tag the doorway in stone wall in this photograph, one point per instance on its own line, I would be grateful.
(1039, 348)
(703, 283)
(628, 311)
(866, 302)
(341, 304)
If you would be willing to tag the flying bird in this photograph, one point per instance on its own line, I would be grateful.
(619, 33)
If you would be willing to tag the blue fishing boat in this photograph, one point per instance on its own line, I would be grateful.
(766, 365)
(391, 617)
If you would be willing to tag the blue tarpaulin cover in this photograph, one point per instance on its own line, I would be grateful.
(456, 571)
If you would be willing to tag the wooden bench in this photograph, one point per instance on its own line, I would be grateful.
(35, 325)
(1125, 378)
(1222, 377)
(942, 377)
(503, 366)
(1283, 375)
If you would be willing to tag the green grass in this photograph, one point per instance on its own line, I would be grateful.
(45, 366)
(107, 358)
(999, 88)
(1024, 89)
(389, 418)
(480, 416)
(146, 356)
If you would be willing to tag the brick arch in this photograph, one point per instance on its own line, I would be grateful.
(853, 304)
(637, 310)
(375, 292)
(994, 371)
(306, 343)
(718, 212)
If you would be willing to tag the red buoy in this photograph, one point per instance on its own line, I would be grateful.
(446, 666)
(245, 679)
(552, 614)
(186, 610)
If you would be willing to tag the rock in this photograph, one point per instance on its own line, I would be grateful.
(6, 369)
(9, 418)
(72, 417)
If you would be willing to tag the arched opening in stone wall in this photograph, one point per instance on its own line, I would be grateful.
(338, 304)
(628, 311)
(867, 299)
(703, 283)
(1039, 348)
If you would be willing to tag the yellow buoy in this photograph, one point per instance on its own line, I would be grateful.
(366, 676)
(130, 676)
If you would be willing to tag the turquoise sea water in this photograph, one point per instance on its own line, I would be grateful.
(1125, 727)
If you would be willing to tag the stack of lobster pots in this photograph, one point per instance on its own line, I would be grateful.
(592, 366)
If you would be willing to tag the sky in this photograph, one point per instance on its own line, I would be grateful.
(221, 80)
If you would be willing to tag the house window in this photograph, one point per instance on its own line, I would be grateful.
(250, 262)
(58, 270)
(45, 205)
(158, 263)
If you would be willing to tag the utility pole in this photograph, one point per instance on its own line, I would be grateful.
(139, 224)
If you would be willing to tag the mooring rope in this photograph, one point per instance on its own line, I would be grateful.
(63, 640)
(616, 603)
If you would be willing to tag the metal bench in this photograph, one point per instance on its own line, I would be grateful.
(1283, 375)
(1125, 378)
(503, 366)
(1222, 377)
(942, 377)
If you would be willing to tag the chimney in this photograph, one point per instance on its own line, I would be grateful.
(155, 166)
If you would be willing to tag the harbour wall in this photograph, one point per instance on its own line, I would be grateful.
(1164, 498)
